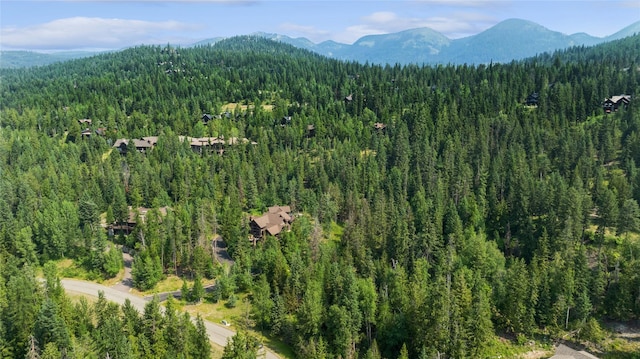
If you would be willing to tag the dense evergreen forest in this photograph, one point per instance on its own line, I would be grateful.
(466, 216)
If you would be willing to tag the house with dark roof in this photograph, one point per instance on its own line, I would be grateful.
(206, 118)
(533, 99)
(285, 120)
(121, 145)
(311, 130)
(272, 223)
(613, 103)
(143, 144)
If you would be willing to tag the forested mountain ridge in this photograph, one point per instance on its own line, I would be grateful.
(467, 214)
(18, 59)
(512, 39)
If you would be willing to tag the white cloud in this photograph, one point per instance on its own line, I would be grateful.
(462, 3)
(310, 32)
(90, 32)
(460, 24)
(381, 17)
(453, 25)
(631, 4)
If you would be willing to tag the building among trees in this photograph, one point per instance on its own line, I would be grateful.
(277, 219)
(612, 104)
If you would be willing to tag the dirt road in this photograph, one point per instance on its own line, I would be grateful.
(217, 333)
(126, 283)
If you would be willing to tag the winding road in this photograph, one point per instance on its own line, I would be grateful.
(217, 333)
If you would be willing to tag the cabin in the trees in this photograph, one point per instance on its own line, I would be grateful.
(207, 144)
(206, 118)
(276, 220)
(348, 98)
(533, 99)
(614, 103)
(121, 145)
(311, 130)
(285, 120)
(143, 144)
(197, 144)
(85, 121)
(379, 126)
(237, 141)
(135, 215)
(214, 144)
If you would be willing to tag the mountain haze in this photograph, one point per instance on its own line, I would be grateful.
(512, 39)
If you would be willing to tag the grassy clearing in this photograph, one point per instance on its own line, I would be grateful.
(611, 238)
(500, 347)
(231, 106)
(620, 348)
(68, 268)
(216, 351)
(171, 283)
(239, 317)
(217, 312)
(75, 297)
(113, 281)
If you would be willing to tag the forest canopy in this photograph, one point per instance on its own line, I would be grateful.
(434, 209)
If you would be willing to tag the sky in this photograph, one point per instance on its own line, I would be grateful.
(51, 25)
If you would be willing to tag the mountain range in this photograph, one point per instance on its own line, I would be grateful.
(509, 40)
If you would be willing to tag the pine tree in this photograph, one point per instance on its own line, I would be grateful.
(184, 291)
(197, 292)
(23, 292)
(51, 351)
(629, 217)
(201, 346)
(88, 211)
(262, 304)
(50, 327)
(240, 346)
(404, 353)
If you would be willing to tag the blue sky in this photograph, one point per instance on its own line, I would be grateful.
(114, 24)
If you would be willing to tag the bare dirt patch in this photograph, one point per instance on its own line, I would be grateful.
(625, 330)
(535, 354)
